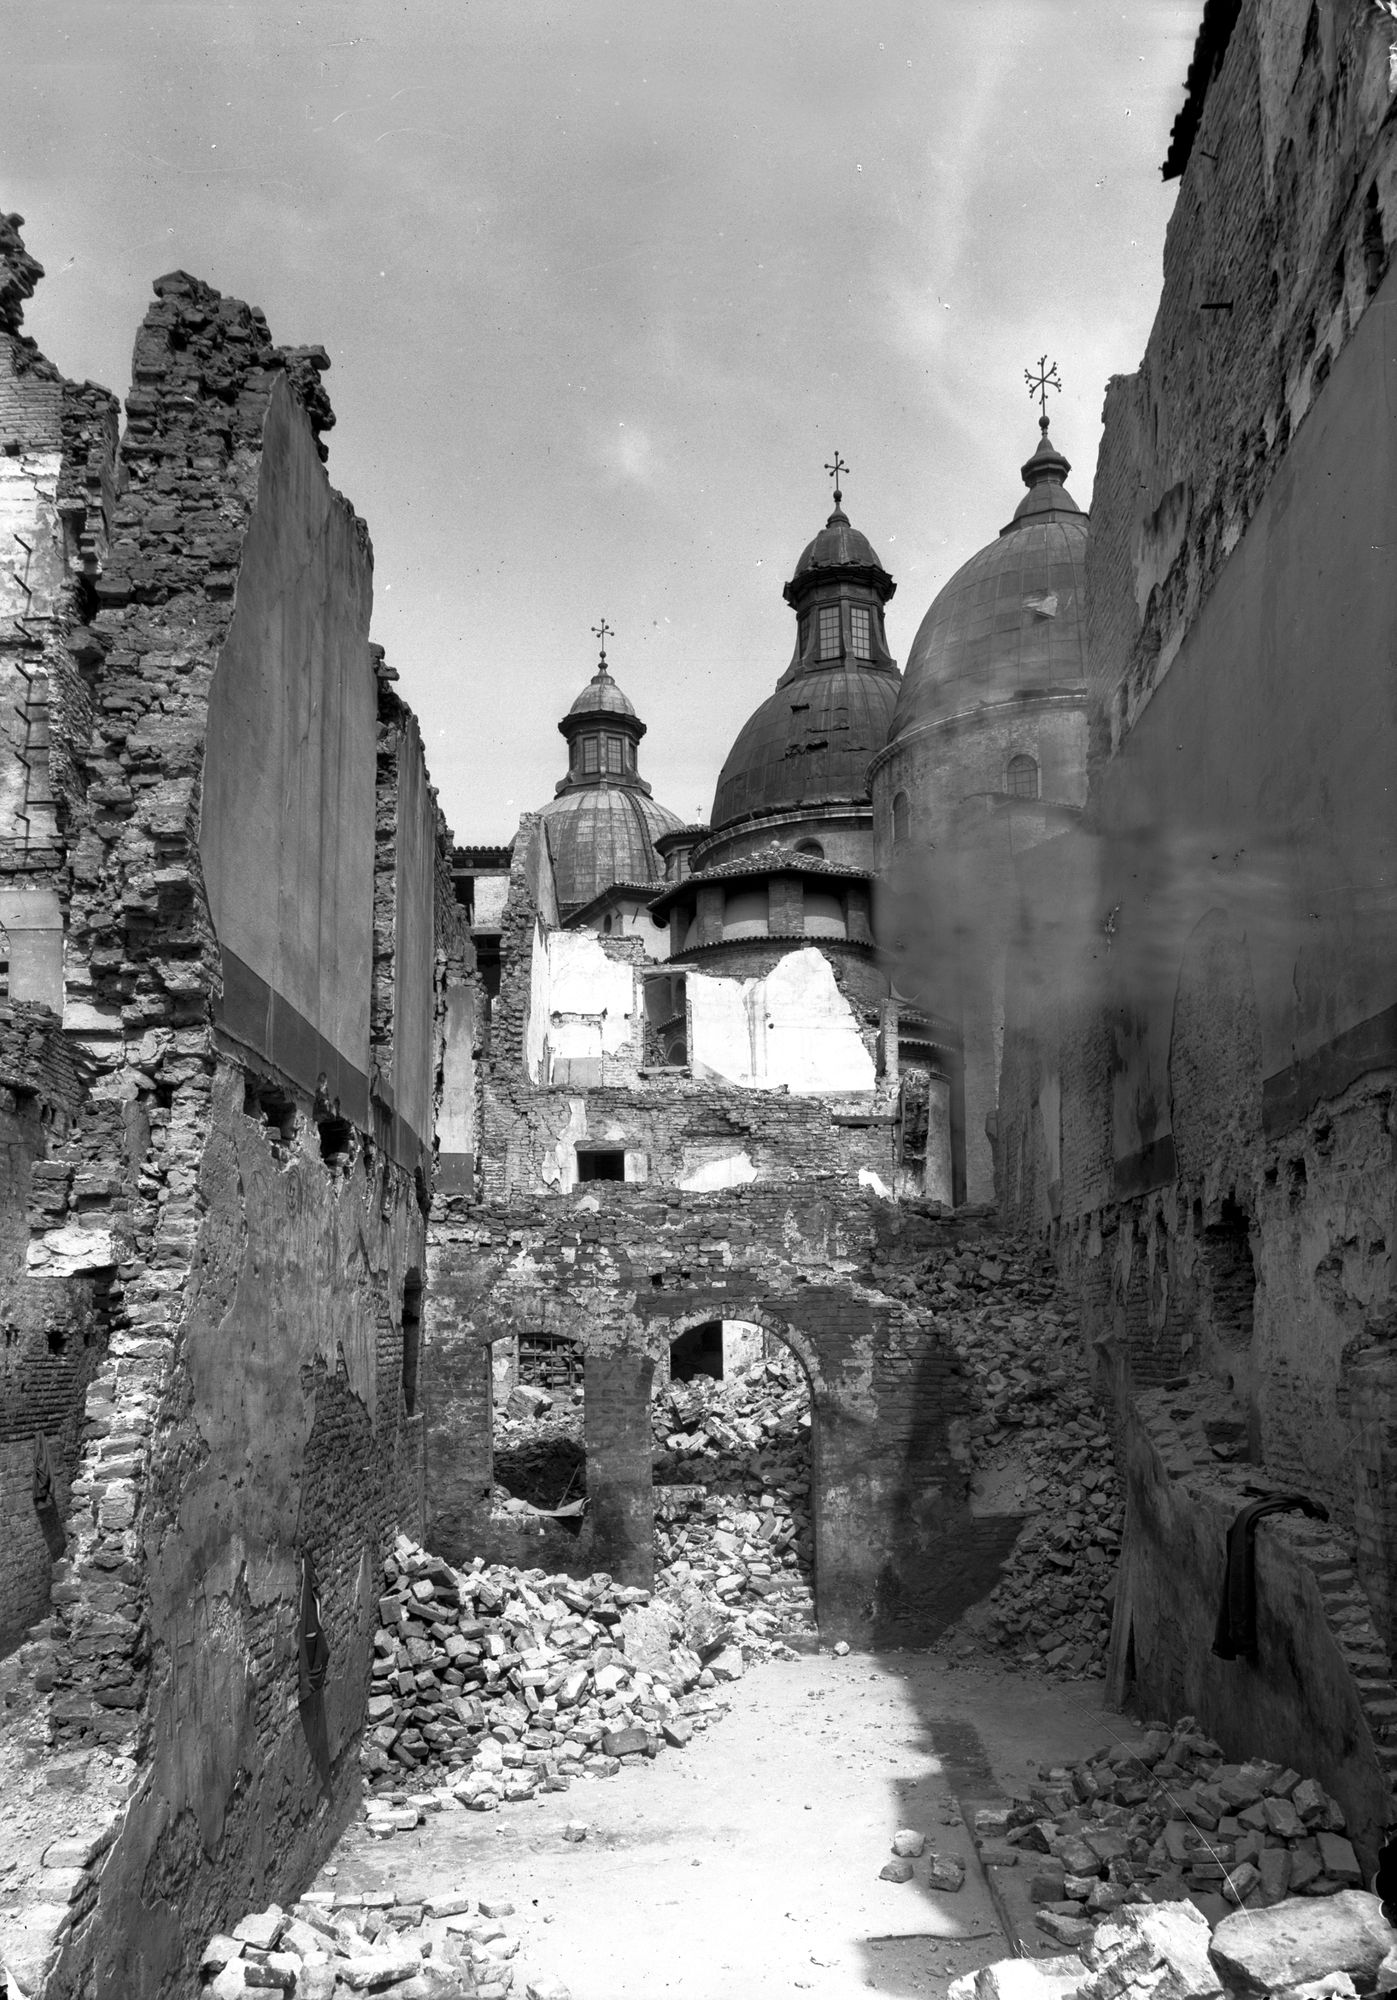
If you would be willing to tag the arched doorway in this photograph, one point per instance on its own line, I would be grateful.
(734, 1476)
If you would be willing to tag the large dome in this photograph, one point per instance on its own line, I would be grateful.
(1010, 619)
(810, 741)
(601, 835)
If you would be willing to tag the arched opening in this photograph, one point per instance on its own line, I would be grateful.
(812, 848)
(732, 1472)
(412, 1339)
(902, 818)
(537, 1424)
(1023, 778)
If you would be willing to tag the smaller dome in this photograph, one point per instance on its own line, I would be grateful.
(839, 545)
(601, 696)
(602, 835)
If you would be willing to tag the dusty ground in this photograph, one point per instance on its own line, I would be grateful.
(748, 1863)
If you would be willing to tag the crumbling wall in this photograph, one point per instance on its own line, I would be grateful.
(241, 1212)
(1217, 1024)
(624, 1271)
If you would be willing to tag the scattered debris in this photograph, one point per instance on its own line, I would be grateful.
(1169, 1821)
(502, 1683)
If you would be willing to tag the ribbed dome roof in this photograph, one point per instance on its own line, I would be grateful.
(1011, 617)
(839, 545)
(601, 835)
(601, 695)
(811, 740)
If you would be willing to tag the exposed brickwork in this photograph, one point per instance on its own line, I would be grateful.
(623, 1271)
(206, 1280)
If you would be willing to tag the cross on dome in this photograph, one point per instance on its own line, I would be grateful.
(1039, 385)
(603, 632)
(834, 471)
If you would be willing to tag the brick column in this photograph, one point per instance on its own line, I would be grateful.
(620, 1504)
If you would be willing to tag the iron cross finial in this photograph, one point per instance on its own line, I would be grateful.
(1039, 385)
(604, 632)
(834, 471)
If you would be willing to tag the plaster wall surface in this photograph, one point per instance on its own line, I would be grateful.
(793, 1028)
(288, 787)
(414, 1026)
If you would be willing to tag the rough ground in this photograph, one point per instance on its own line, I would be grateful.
(748, 1863)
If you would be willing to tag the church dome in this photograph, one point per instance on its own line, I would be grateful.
(602, 822)
(601, 835)
(810, 742)
(601, 696)
(1010, 619)
(839, 545)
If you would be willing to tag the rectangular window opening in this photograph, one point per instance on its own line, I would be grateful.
(589, 754)
(598, 1164)
(829, 632)
(613, 753)
(859, 629)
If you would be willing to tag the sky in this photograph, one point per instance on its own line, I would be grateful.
(605, 284)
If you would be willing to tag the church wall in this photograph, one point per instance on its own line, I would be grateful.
(1214, 1027)
(969, 758)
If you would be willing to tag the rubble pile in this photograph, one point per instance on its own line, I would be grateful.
(458, 1948)
(732, 1494)
(1036, 1445)
(511, 1682)
(1293, 1951)
(1167, 1821)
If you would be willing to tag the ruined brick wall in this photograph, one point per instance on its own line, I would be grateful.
(672, 1130)
(243, 1224)
(623, 1271)
(53, 1334)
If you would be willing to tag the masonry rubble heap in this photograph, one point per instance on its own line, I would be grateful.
(1039, 1443)
(1169, 1820)
(732, 1485)
(450, 1948)
(512, 1682)
(732, 1493)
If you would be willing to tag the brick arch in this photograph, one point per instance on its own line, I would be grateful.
(897, 1554)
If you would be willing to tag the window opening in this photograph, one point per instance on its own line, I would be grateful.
(1023, 778)
(537, 1434)
(829, 632)
(336, 1140)
(589, 754)
(601, 1164)
(812, 848)
(273, 1107)
(859, 630)
(613, 753)
(902, 817)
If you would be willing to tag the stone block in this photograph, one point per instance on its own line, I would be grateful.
(1158, 1948)
(896, 1870)
(1258, 1950)
(908, 1843)
(1055, 1978)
